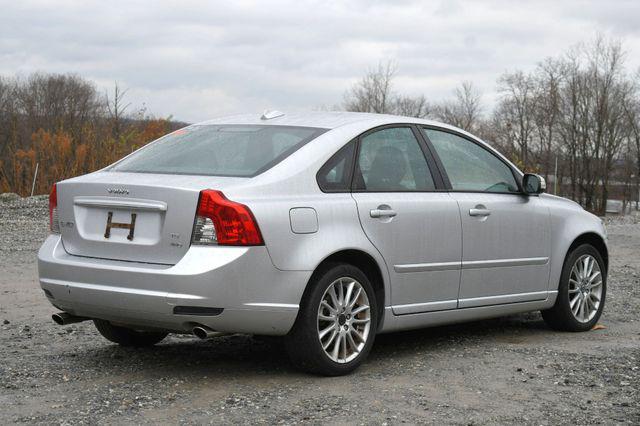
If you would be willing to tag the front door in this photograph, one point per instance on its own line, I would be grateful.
(416, 229)
(506, 240)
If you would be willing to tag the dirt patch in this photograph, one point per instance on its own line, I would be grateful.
(509, 370)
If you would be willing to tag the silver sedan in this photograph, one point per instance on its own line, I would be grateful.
(324, 228)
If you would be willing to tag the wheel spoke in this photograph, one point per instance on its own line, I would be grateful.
(591, 262)
(590, 305)
(336, 346)
(360, 320)
(333, 335)
(347, 297)
(359, 309)
(331, 309)
(352, 343)
(594, 276)
(343, 342)
(326, 318)
(585, 267)
(334, 297)
(355, 297)
(596, 284)
(575, 304)
(574, 301)
(357, 334)
(340, 293)
(326, 331)
(575, 272)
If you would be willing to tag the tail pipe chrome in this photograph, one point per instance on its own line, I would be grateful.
(204, 332)
(63, 318)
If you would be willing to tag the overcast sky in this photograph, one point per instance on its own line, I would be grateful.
(196, 60)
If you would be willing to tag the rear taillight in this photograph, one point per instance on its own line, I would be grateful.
(54, 224)
(224, 222)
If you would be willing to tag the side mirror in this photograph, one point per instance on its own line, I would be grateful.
(533, 184)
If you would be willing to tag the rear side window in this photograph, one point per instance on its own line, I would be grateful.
(224, 150)
(469, 166)
(391, 160)
(335, 175)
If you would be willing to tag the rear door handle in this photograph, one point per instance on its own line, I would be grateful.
(382, 213)
(479, 212)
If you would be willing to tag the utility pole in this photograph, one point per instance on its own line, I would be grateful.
(35, 176)
(555, 178)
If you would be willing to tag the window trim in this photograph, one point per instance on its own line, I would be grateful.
(514, 172)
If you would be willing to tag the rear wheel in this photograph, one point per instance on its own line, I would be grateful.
(336, 326)
(127, 336)
(581, 293)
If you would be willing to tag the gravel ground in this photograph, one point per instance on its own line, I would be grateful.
(509, 370)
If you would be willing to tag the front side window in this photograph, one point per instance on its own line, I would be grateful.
(469, 166)
(391, 160)
(219, 150)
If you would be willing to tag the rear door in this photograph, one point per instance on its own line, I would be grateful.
(416, 229)
(506, 241)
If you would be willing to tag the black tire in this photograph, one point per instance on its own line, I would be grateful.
(127, 336)
(303, 343)
(560, 317)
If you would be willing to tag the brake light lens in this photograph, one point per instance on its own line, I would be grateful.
(224, 222)
(54, 223)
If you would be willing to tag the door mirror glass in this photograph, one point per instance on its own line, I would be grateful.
(533, 184)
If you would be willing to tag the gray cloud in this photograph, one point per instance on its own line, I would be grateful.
(195, 60)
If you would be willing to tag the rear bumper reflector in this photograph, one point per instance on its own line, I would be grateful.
(197, 310)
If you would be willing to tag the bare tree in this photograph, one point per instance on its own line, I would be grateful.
(464, 110)
(516, 112)
(411, 106)
(372, 93)
(116, 109)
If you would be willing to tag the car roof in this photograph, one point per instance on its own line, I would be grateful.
(320, 119)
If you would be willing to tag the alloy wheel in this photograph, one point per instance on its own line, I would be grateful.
(344, 320)
(585, 288)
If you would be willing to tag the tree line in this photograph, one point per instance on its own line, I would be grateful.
(63, 126)
(575, 119)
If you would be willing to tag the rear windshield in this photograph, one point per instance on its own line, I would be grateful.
(226, 150)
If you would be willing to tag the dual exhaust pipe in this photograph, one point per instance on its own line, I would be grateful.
(200, 331)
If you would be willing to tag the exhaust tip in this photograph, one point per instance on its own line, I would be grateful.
(58, 319)
(201, 332)
(63, 318)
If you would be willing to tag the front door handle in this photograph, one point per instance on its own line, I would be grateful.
(382, 213)
(479, 212)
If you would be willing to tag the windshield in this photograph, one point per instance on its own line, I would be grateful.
(219, 150)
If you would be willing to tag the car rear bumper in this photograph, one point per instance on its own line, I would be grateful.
(253, 295)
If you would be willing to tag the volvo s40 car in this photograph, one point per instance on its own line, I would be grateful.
(324, 228)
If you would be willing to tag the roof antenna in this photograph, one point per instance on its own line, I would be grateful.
(268, 115)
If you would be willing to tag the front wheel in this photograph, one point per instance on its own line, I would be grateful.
(336, 325)
(581, 293)
(127, 336)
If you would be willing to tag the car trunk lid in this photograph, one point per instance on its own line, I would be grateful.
(132, 216)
